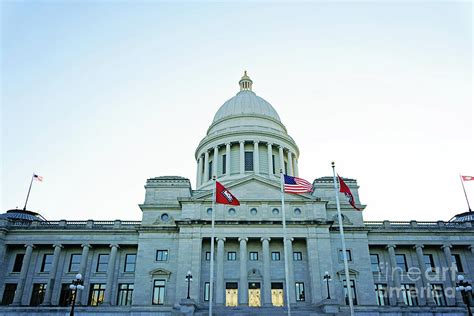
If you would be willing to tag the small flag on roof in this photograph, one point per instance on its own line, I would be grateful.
(296, 185)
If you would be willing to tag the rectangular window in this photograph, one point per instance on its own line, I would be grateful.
(374, 262)
(429, 262)
(275, 256)
(409, 294)
(207, 289)
(297, 256)
(231, 256)
(130, 260)
(162, 255)
(401, 262)
(273, 164)
(96, 294)
(37, 296)
(125, 292)
(353, 293)
(47, 263)
(224, 163)
(158, 292)
(75, 262)
(208, 256)
(438, 294)
(248, 161)
(18, 262)
(64, 297)
(381, 294)
(457, 262)
(299, 287)
(253, 256)
(348, 254)
(102, 263)
(210, 170)
(286, 167)
(8, 293)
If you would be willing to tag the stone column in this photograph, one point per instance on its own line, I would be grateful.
(199, 171)
(295, 166)
(267, 285)
(215, 161)
(23, 274)
(282, 160)
(291, 273)
(290, 163)
(206, 167)
(227, 159)
(270, 160)
(450, 274)
(220, 271)
(394, 273)
(52, 275)
(242, 157)
(82, 271)
(3, 248)
(256, 159)
(110, 274)
(244, 285)
(426, 285)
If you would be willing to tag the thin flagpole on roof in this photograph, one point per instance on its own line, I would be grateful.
(341, 232)
(285, 248)
(213, 217)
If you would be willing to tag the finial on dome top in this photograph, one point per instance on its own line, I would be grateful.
(245, 82)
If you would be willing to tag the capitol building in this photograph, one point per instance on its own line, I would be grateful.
(140, 267)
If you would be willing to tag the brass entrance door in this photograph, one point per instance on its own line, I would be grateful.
(254, 295)
(231, 294)
(277, 294)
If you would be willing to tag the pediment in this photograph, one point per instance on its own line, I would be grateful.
(352, 273)
(254, 187)
(160, 272)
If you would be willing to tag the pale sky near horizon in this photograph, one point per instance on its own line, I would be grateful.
(98, 96)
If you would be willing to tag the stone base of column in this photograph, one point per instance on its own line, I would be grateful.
(329, 306)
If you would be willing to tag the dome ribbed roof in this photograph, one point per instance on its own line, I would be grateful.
(22, 215)
(246, 102)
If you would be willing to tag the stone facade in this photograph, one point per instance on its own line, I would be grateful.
(139, 268)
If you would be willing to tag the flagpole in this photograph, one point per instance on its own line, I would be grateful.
(213, 216)
(28, 195)
(464, 189)
(341, 232)
(285, 248)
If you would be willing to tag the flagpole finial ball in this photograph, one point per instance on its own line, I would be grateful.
(214, 178)
(332, 163)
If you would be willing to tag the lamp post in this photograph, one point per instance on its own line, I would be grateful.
(189, 278)
(75, 285)
(327, 277)
(465, 288)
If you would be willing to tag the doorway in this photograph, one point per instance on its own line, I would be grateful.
(231, 294)
(254, 294)
(277, 294)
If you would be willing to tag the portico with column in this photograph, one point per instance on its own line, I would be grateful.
(52, 274)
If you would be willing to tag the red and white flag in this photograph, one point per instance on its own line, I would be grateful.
(467, 178)
(37, 177)
(343, 188)
(223, 196)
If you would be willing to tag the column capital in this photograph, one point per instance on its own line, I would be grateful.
(471, 247)
(29, 245)
(265, 238)
(243, 239)
(86, 245)
(216, 147)
(114, 246)
(281, 147)
(393, 246)
(446, 246)
(290, 239)
(58, 246)
(416, 246)
(228, 143)
(269, 144)
(241, 141)
(255, 142)
(220, 239)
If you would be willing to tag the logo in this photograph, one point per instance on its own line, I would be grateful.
(227, 195)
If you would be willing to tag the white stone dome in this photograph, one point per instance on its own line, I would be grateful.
(246, 102)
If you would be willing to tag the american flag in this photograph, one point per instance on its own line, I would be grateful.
(37, 177)
(296, 185)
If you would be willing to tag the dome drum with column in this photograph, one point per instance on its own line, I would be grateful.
(245, 138)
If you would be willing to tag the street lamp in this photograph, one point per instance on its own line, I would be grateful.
(327, 277)
(75, 285)
(465, 288)
(189, 278)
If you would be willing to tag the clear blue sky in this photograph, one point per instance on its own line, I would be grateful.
(98, 96)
